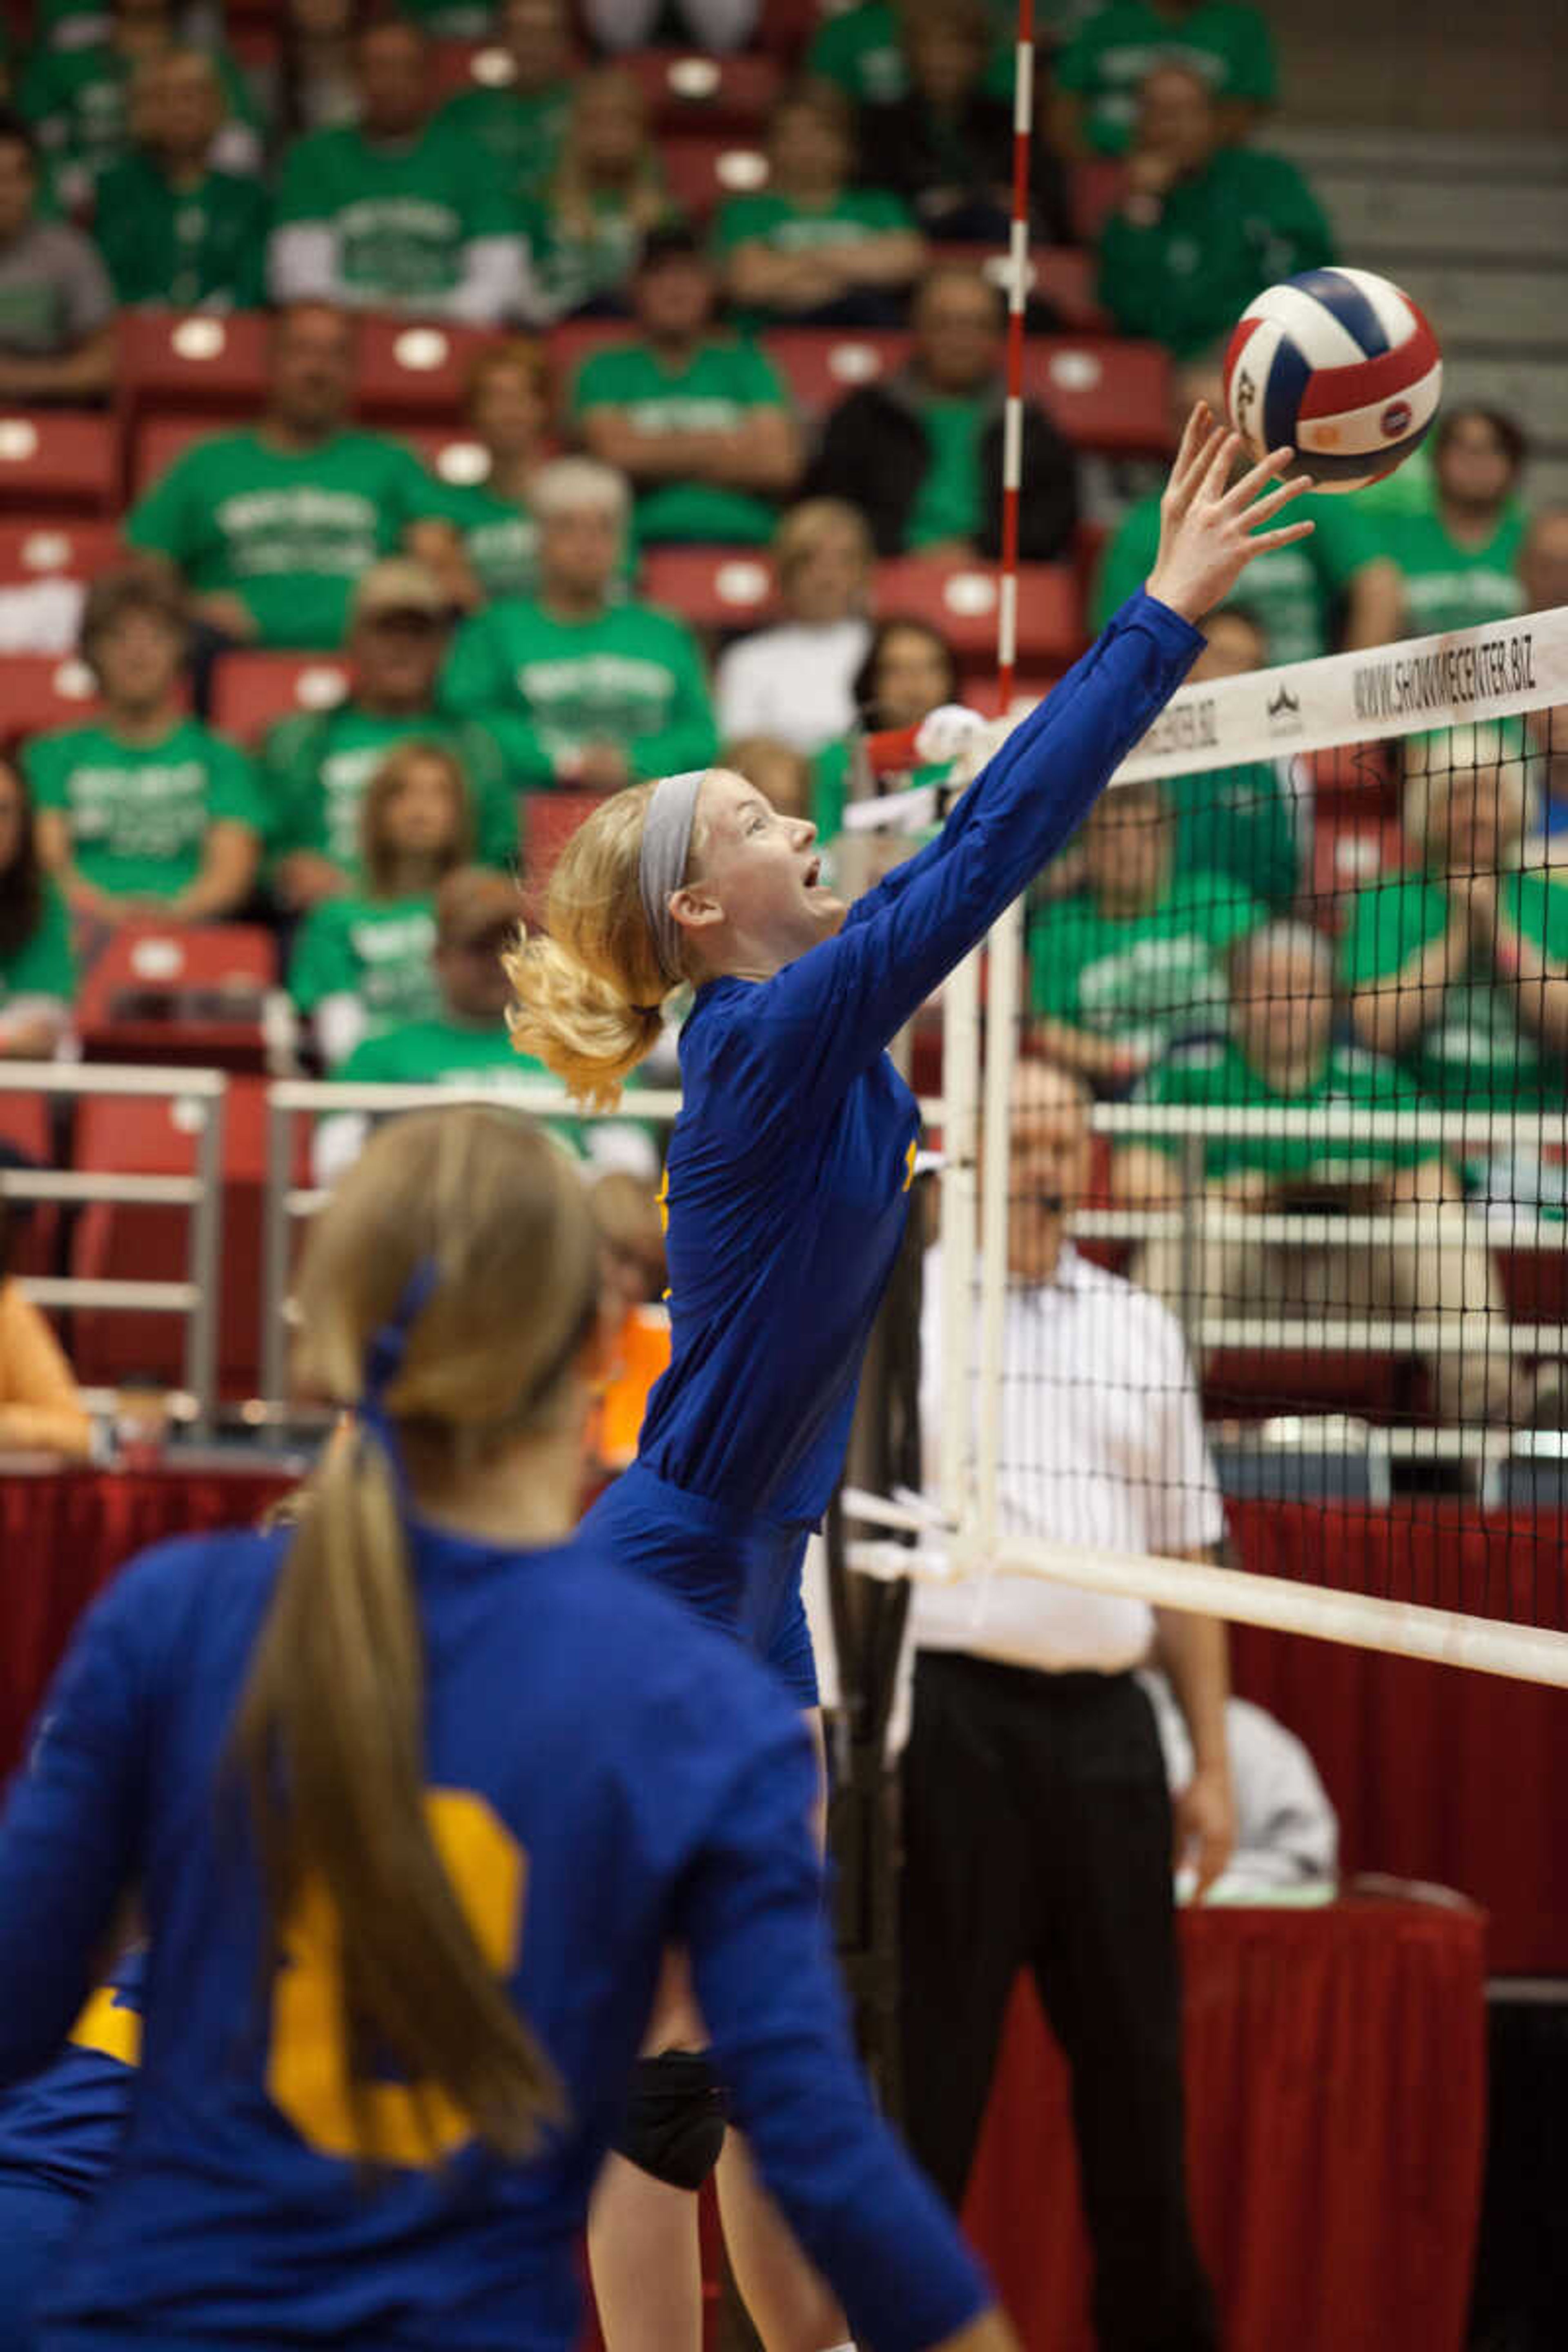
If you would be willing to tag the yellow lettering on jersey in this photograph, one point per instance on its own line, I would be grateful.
(662, 1198)
(306, 2076)
(909, 1158)
(107, 2026)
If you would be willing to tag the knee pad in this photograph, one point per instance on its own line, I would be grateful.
(675, 2119)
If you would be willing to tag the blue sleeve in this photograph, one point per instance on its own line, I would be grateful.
(819, 1022)
(71, 1838)
(752, 1915)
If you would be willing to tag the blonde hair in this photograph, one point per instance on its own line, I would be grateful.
(801, 528)
(589, 987)
(570, 485)
(383, 789)
(329, 1737)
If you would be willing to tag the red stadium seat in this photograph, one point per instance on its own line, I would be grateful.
(65, 550)
(191, 363)
(549, 821)
(1061, 275)
(161, 439)
(711, 587)
(59, 462)
(41, 691)
(1105, 394)
(408, 370)
(786, 28)
(579, 339)
(822, 364)
(688, 93)
(1252, 1386)
(252, 689)
(26, 1125)
(190, 994)
(1094, 192)
(962, 603)
(704, 167)
(1358, 778)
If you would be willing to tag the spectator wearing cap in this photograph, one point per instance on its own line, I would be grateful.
(144, 812)
(814, 248)
(467, 1044)
(585, 691)
(1459, 556)
(697, 419)
(269, 527)
(41, 1411)
(605, 196)
(1098, 73)
(57, 308)
(795, 681)
(483, 538)
(920, 452)
(518, 124)
(176, 233)
(316, 765)
(1201, 225)
(394, 212)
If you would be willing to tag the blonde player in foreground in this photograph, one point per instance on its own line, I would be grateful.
(786, 1185)
(416, 1794)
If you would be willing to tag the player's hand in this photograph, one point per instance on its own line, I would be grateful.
(947, 731)
(1204, 1822)
(1207, 530)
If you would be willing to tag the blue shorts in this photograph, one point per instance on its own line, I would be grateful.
(738, 1572)
(36, 2220)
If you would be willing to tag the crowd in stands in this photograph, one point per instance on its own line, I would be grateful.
(499, 632)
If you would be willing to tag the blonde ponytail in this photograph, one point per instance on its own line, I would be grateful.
(589, 987)
(330, 1734)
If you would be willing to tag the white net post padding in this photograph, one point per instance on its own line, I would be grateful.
(959, 1222)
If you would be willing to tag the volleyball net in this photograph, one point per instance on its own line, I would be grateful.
(1280, 1041)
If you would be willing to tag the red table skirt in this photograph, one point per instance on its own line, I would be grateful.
(1336, 2084)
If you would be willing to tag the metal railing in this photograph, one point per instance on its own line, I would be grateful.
(195, 1300)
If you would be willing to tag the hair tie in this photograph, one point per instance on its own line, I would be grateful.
(661, 864)
(384, 1358)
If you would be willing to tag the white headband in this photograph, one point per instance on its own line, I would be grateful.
(661, 865)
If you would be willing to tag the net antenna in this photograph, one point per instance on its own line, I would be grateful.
(1466, 680)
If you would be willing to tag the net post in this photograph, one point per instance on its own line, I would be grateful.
(958, 1202)
(1193, 1163)
(1017, 298)
(1001, 1001)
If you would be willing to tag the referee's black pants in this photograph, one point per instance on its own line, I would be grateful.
(1036, 1826)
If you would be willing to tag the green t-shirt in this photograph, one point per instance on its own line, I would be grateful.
(1108, 57)
(403, 213)
(794, 227)
(441, 1052)
(713, 393)
(634, 677)
(378, 950)
(290, 534)
(1219, 238)
(44, 965)
(195, 248)
(948, 502)
(1478, 1052)
(1295, 592)
(316, 766)
(1142, 980)
(518, 135)
(500, 538)
(573, 263)
(77, 99)
(861, 52)
(1220, 1077)
(139, 812)
(1447, 587)
(1239, 822)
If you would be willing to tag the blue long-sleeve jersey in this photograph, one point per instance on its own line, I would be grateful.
(607, 1776)
(63, 2125)
(790, 1163)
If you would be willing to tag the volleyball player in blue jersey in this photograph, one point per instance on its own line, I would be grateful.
(785, 1190)
(58, 2133)
(416, 1796)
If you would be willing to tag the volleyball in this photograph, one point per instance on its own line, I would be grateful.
(1339, 365)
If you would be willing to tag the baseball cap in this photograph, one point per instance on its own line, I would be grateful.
(400, 584)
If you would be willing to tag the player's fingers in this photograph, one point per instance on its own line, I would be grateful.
(1222, 457)
(1264, 508)
(1270, 470)
(1286, 536)
(1184, 474)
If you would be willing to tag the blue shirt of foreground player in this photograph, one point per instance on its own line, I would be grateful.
(789, 1167)
(651, 1788)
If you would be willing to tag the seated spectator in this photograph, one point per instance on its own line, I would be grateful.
(1250, 822)
(37, 969)
(813, 247)
(1228, 46)
(78, 97)
(1202, 227)
(176, 234)
(586, 691)
(310, 85)
(143, 812)
(41, 1409)
(393, 213)
(1281, 1055)
(486, 543)
(57, 309)
(920, 452)
(517, 125)
(945, 147)
(861, 50)
(1458, 562)
(269, 527)
(1544, 576)
(316, 765)
(909, 670)
(795, 681)
(467, 1044)
(1336, 589)
(1134, 960)
(606, 195)
(719, 26)
(360, 964)
(1458, 967)
(697, 419)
